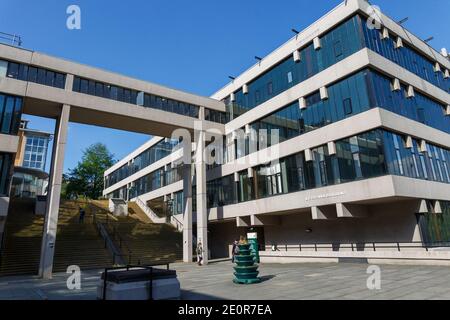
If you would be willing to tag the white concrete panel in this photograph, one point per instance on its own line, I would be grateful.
(411, 93)
(323, 93)
(8, 143)
(399, 43)
(332, 148)
(302, 103)
(385, 33)
(297, 56)
(245, 89)
(317, 43)
(396, 85)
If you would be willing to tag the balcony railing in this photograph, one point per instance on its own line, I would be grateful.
(12, 39)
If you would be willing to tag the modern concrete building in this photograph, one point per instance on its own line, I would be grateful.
(30, 179)
(337, 139)
(362, 154)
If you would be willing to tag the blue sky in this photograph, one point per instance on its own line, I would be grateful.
(189, 45)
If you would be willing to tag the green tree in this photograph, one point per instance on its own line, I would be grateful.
(86, 179)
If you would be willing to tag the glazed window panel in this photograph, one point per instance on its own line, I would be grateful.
(5, 173)
(10, 114)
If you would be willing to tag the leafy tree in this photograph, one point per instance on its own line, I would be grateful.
(86, 179)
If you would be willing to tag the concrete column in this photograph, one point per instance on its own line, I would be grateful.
(202, 211)
(187, 218)
(54, 194)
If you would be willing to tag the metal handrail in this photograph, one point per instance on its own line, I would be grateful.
(115, 233)
(355, 245)
(13, 39)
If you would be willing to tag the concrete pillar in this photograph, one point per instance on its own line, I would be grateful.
(187, 218)
(187, 199)
(202, 211)
(54, 194)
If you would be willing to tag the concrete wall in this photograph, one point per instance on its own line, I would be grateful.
(394, 222)
(221, 237)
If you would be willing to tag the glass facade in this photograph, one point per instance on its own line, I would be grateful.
(26, 185)
(216, 116)
(160, 150)
(221, 192)
(10, 114)
(177, 203)
(435, 227)
(5, 172)
(121, 94)
(405, 56)
(35, 155)
(155, 180)
(337, 44)
(367, 155)
(42, 76)
(434, 164)
(358, 93)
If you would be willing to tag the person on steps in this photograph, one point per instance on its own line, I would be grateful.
(82, 214)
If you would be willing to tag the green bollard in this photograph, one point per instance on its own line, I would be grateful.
(254, 246)
(246, 271)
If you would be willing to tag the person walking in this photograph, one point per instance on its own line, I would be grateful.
(82, 214)
(243, 240)
(199, 253)
(235, 250)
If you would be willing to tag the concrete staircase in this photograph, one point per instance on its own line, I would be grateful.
(78, 243)
(146, 242)
(22, 240)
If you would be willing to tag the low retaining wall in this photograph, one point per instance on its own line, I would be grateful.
(432, 257)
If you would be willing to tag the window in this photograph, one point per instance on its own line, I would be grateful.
(23, 72)
(84, 85)
(337, 49)
(41, 76)
(289, 77)
(99, 89)
(5, 167)
(91, 88)
(32, 74)
(76, 84)
(13, 70)
(60, 80)
(257, 96)
(50, 78)
(270, 88)
(3, 68)
(348, 106)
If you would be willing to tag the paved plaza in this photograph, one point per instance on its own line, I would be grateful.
(289, 281)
